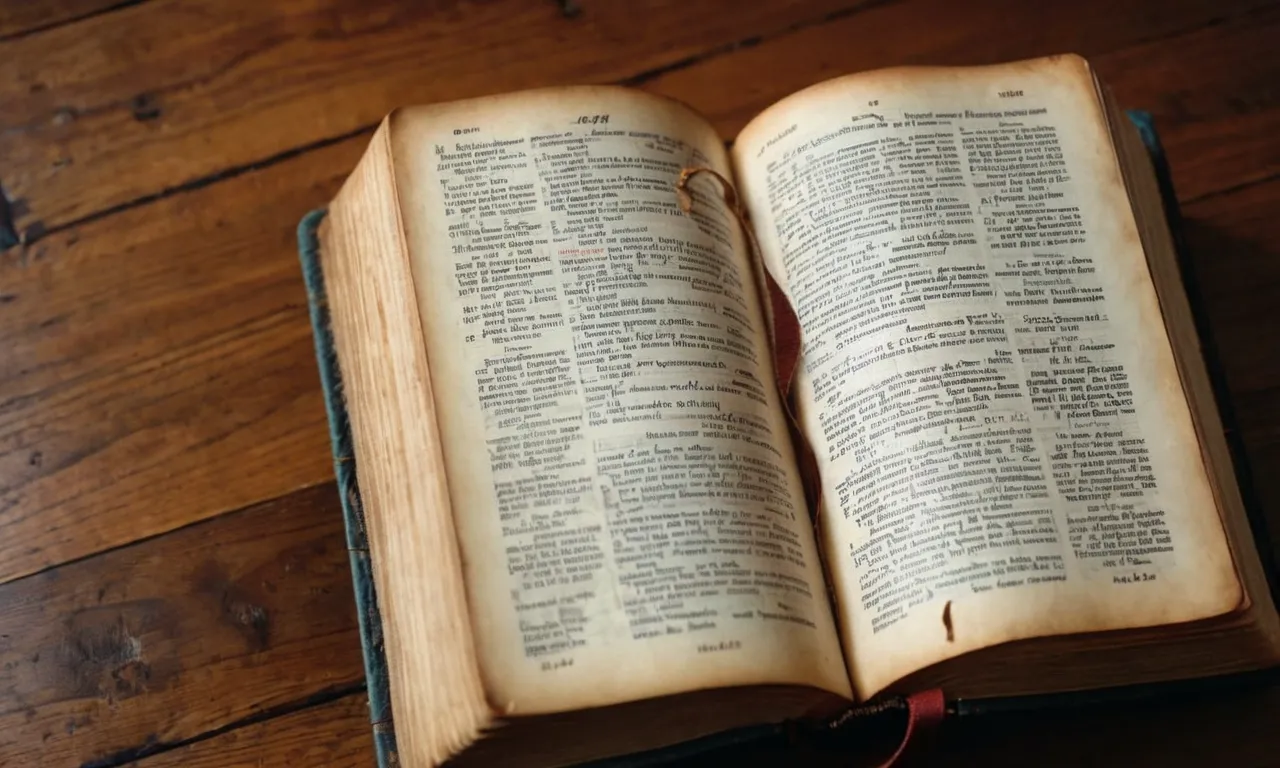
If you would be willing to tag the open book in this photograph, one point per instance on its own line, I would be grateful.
(585, 490)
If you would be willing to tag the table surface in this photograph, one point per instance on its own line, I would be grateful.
(174, 588)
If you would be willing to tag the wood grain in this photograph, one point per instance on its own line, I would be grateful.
(334, 735)
(22, 17)
(1215, 93)
(126, 124)
(169, 638)
(129, 103)
(159, 367)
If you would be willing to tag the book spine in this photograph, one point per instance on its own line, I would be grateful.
(344, 469)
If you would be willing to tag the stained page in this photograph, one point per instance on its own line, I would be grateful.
(624, 489)
(1005, 448)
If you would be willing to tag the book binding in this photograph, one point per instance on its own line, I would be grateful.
(344, 470)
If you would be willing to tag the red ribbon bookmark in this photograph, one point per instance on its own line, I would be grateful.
(925, 712)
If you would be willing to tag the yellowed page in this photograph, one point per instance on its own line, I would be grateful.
(627, 504)
(1005, 447)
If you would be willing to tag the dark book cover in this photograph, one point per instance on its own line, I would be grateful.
(380, 715)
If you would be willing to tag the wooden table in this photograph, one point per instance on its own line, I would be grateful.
(174, 588)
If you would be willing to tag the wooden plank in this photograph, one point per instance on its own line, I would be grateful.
(169, 638)
(125, 125)
(1215, 98)
(21, 17)
(334, 735)
(159, 368)
(1205, 70)
(129, 103)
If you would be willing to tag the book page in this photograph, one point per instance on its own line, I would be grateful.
(628, 507)
(1005, 448)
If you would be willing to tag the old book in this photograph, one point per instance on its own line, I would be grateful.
(635, 470)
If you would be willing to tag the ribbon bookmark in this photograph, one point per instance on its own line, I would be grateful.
(925, 712)
(784, 330)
